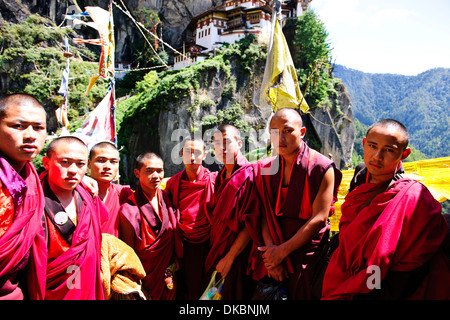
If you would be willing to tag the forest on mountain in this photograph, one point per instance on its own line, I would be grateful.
(421, 102)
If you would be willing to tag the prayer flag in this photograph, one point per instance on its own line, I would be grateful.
(99, 125)
(61, 115)
(105, 26)
(280, 87)
(64, 88)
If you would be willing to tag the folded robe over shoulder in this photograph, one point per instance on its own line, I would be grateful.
(190, 200)
(73, 270)
(233, 206)
(284, 221)
(24, 239)
(400, 230)
(157, 242)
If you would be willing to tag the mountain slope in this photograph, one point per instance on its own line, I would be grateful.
(420, 102)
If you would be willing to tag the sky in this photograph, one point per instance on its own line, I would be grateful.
(387, 36)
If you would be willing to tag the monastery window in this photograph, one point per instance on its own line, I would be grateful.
(254, 18)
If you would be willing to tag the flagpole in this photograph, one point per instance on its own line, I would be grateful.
(113, 81)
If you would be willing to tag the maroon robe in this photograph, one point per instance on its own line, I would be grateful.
(401, 230)
(293, 210)
(233, 206)
(73, 270)
(117, 195)
(157, 243)
(190, 200)
(23, 243)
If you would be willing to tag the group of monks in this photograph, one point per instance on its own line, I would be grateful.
(250, 224)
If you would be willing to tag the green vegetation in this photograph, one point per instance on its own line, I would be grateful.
(312, 59)
(420, 102)
(32, 61)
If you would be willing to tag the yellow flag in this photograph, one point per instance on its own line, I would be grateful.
(280, 86)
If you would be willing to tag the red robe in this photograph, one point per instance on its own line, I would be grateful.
(233, 206)
(190, 200)
(117, 195)
(23, 242)
(286, 210)
(400, 230)
(157, 243)
(73, 270)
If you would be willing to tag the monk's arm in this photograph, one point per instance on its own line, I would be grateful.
(224, 265)
(278, 272)
(265, 232)
(274, 255)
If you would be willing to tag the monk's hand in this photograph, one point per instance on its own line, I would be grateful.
(224, 266)
(277, 273)
(91, 185)
(272, 256)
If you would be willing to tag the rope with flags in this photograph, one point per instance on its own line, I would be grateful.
(100, 124)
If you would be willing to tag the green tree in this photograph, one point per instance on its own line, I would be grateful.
(312, 57)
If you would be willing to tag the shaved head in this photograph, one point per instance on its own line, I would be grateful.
(144, 156)
(64, 140)
(287, 132)
(230, 129)
(289, 113)
(104, 145)
(18, 99)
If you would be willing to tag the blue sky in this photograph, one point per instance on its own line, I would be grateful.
(381, 36)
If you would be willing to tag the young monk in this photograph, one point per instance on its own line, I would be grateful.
(148, 225)
(187, 190)
(390, 230)
(23, 254)
(296, 198)
(73, 220)
(234, 215)
(104, 166)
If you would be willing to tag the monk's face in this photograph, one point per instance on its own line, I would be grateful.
(286, 134)
(66, 166)
(226, 146)
(151, 174)
(384, 148)
(193, 154)
(104, 164)
(22, 132)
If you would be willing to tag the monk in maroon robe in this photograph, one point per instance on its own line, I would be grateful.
(23, 254)
(187, 190)
(234, 214)
(73, 220)
(297, 190)
(391, 230)
(148, 225)
(104, 166)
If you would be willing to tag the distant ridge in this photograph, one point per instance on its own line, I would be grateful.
(421, 102)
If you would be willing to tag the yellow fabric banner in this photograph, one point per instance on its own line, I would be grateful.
(433, 173)
(280, 87)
